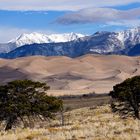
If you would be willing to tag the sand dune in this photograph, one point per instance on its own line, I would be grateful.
(97, 73)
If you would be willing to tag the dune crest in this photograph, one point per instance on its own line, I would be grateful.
(97, 73)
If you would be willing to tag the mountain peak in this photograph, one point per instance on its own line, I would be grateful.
(31, 38)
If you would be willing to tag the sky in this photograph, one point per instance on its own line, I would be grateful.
(64, 16)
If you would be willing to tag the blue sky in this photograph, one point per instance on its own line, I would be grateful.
(65, 16)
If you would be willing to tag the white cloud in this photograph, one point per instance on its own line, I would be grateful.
(126, 23)
(102, 15)
(59, 4)
(9, 33)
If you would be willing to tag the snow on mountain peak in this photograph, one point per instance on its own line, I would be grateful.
(39, 38)
(130, 35)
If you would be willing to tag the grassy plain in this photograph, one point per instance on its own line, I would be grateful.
(86, 119)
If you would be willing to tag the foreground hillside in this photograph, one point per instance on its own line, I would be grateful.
(97, 73)
(95, 123)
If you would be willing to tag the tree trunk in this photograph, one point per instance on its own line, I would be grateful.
(135, 106)
(62, 118)
(137, 114)
(136, 110)
(10, 123)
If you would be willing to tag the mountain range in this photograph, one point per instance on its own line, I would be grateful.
(73, 45)
(38, 38)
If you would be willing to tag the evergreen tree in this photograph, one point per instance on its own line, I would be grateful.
(126, 97)
(25, 98)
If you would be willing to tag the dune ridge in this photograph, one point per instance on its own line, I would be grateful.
(97, 73)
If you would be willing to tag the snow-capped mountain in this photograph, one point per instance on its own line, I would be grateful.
(123, 43)
(38, 38)
(129, 37)
(27, 39)
(114, 42)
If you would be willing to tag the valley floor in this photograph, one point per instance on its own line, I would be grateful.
(89, 123)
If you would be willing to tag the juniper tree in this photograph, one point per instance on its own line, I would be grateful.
(126, 97)
(22, 98)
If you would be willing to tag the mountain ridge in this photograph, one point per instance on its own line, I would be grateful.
(104, 42)
(37, 38)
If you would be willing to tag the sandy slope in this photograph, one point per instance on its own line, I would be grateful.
(93, 72)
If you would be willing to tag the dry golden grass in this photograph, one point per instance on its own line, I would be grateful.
(82, 124)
